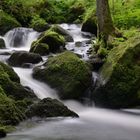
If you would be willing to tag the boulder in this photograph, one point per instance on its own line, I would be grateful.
(10, 83)
(121, 77)
(90, 25)
(2, 44)
(2, 133)
(39, 48)
(11, 73)
(20, 57)
(67, 73)
(54, 41)
(10, 114)
(7, 22)
(63, 32)
(49, 108)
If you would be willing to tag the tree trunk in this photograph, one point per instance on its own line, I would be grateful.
(105, 23)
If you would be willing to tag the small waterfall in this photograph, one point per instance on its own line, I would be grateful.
(41, 90)
(20, 37)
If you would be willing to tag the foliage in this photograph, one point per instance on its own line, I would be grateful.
(7, 22)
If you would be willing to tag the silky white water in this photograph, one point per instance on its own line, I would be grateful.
(93, 124)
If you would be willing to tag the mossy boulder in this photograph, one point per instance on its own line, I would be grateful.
(39, 24)
(7, 23)
(9, 113)
(67, 73)
(55, 41)
(10, 83)
(2, 44)
(121, 76)
(49, 108)
(11, 73)
(21, 57)
(63, 32)
(90, 25)
(40, 48)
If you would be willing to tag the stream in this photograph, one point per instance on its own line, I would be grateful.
(93, 124)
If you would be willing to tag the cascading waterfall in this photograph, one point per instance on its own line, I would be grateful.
(93, 124)
(20, 38)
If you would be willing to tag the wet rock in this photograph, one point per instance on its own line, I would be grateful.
(21, 57)
(39, 48)
(2, 133)
(79, 44)
(27, 65)
(89, 25)
(2, 44)
(49, 108)
(53, 40)
(96, 63)
(63, 32)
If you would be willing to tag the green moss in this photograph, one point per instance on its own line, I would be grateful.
(66, 72)
(63, 32)
(10, 114)
(52, 39)
(40, 48)
(9, 70)
(121, 76)
(7, 22)
(9, 82)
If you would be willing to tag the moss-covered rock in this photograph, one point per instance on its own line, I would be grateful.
(121, 76)
(66, 72)
(90, 25)
(20, 57)
(54, 41)
(2, 44)
(10, 114)
(11, 73)
(49, 108)
(39, 24)
(63, 32)
(10, 83)
(39, 48)
(7, 23)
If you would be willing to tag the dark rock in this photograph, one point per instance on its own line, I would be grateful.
(96, 63)
(27, 65)
(89, 25)
(49, 108)
(2, 133)
(21, 57)
(2, 44)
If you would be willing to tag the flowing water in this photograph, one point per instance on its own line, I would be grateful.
(93, 124)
